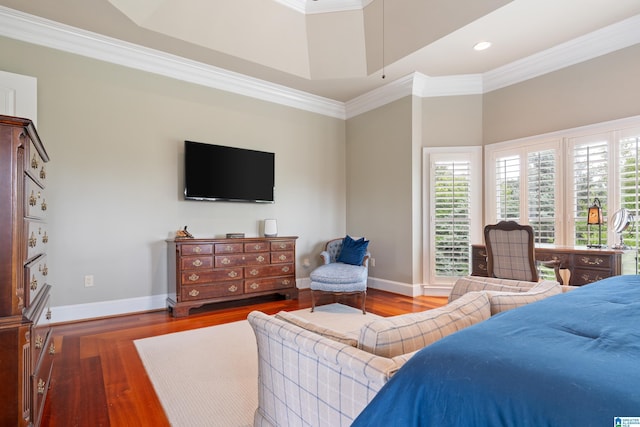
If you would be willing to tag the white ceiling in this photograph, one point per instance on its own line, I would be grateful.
(335, 48)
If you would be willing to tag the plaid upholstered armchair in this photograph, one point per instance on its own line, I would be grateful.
(510, 251)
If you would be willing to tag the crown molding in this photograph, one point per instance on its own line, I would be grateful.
(32, 29)
(600, 42)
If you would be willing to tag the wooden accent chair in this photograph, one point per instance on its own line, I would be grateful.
(337, 277)
(510, 251)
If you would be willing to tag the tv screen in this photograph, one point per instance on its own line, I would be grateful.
(220, 173)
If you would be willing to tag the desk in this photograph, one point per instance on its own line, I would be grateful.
(585, 264)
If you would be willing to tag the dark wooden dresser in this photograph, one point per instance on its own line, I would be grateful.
(203, 271)
(26, 345)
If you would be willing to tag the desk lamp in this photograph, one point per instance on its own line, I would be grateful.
(594, 217)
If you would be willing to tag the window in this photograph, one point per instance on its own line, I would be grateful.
(452, 184)
(523, 184)
(602, 162)
(590, 182)
(629, 184)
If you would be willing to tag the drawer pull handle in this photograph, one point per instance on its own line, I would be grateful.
(45, 238)
(32, 240)
(194, 292)
(49, 314)
(229, 248)
(254, 286)
(233, 274)
(194, 277)
(197, 263)
(283, 257)
(260, 259)
(43, 205)
(34, 283)
(33, 199)
(52, 349)
(225, 261)
(595, 261)
(39, 342)
(197, 249)
(285, 282)
(43, 269)
(285, 269)
(34, 162)
(254, 272)
(41, 385)
(233, 288)
(283, 245)
(43, 174)
(257, 247)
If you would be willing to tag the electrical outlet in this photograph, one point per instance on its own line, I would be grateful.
(88, 281)
(373, 262)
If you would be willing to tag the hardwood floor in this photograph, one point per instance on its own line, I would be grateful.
(99, 380)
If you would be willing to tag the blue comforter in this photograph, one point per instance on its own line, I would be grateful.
(569, 360)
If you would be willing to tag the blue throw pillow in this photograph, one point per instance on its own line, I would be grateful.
(353, 251)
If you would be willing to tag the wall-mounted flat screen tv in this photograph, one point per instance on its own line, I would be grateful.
(221, 173)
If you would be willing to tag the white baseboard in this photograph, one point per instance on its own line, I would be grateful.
(407, 289)
(436, 290)
(77, 312)
(375, 283)
(73, 313)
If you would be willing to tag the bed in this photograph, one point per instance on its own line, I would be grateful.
(569, 360)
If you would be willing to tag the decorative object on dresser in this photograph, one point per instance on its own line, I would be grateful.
(26, 345)
(203, 271)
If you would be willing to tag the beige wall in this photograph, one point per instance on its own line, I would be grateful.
(379, 187)
(452, 121)
(602, 89)
(115, 138)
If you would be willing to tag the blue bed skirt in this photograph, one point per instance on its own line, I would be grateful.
(569, 360)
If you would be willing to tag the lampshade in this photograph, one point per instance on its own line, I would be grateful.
(270, 228)
(594, 215)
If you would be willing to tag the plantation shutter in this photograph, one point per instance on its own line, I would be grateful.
(590, 181)
(541, 185)
(629, 183)
(451, 216)
(508, 188)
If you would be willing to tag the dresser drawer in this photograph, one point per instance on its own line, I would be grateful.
(261, 285)
(211, 290)
(592, 261)
(41, 379)
(283, 245)
(35, 200)
(241, 259)
(196, 249)
(282, 257)
(256, 247)
(196, 262)
(35, 166)
(37, 238)
(207, 276)
(581, 276)
(229, 248)
(41, 329)
(269, 270)
(36, 277)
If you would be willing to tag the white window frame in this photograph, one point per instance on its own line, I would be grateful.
(473, 154)
(521, 148)
(614, 130)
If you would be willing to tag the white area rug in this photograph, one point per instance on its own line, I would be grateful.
(209, 376)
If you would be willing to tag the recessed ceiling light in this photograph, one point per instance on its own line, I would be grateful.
(482, 46)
